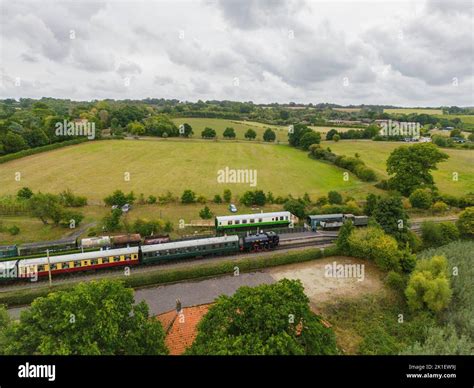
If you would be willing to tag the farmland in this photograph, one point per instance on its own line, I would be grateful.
(375, 154)
(96, 169)
(428, 111)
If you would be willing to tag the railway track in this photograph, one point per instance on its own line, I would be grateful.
(286, 246)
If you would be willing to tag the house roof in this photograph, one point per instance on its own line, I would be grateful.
(181, 329)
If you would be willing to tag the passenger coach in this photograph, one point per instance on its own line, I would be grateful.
(249, 221)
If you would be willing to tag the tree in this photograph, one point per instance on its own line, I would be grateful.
(309, 139)
(136, 128)
(14, 143)
(208, 133)
(188, 196)
(206, 213)
(370, 203)
(421, 199)
(428, 286)
(295, 207)
(342, 242)
(46, 206)
(336, 138)
(187, 130)
(392, 217)
(269, 135)
(456, 133)
(331, 133)
(250, 198)
(119, 198)
(94, 318)
(227, 196)
(439, 207)
(268, 320)
(334, 198)
(111, 222)
(465, 222)
(229, 133)
(436, 234)
(217, 198)
(411, 166)
(294, 135)
(24, 193)
(250, 134)
(36, 137)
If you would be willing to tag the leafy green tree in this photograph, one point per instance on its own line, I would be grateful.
(411, 166)
(310, 138)
(71, 218)
(206, 213)
(437, 234)
(217, 198)
(250, 134)
(229, 133)
(465, 222)
(392, 217)
(421, 199)
(136, 128)
(428, 286)
(269, 135)
(267, 320)
(456, 133)
(336, 138)
(94, 318)
(296, 207)
(36, 137)
(208, 133)
(227, 196)
(298, 131)
(24, 193)
(334, 198)
(370, 203)
(342, 242)
(188, 196)
(119, 198)
(151, 200)
(188, 130)
(330, 134)
(111, 222)
(160, 124)
(14, 143)
(45, 206)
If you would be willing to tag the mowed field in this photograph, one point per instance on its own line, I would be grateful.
(96, 169)
(375, 155)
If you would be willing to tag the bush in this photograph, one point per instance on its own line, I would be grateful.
(217, 198)
(151, 200)
(421, 199)
(334, 198)
(14, 230)
(24, 193)
(428, 286)
(206, 213)
(202, 199)
(465, 223)
(295, 207)
(437, 234)
(395, 281)
(372, 243)
(439, 207)
(188, 196)
(309, 139)
(227, 196)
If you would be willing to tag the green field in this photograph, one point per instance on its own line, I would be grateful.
(240, 127)
(414, 110)
(375, 154)
(95, 169)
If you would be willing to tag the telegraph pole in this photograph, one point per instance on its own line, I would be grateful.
(49, 269)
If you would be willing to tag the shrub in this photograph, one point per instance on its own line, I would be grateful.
(217, 198)
(151, 200)
(395, 280)
(465, 223)
(227, 195)
(437, 234)
(439, 207)
(14, 230)
(24, 193)
(334, 198)
(421, 199)
(202, 199)
(188, 196)
(206, 213)
(428, 286)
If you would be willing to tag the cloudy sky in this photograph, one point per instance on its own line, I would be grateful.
(408, 53)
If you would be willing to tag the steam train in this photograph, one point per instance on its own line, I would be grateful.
(135, 255)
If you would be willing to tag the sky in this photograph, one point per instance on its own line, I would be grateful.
(404, 53)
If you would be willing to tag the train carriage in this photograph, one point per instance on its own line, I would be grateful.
(78, 262)
(190, 249)
(253, 221)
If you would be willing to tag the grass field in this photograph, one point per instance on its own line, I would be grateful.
(240, 127)
(468, 119)
(375, 154)
(350, 110)
(414, 110)
(96, 169)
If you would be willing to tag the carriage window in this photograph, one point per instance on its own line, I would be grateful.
(286, 218)
(260, 220)
(252, 221)
(281, 218)
(237, 222)
(229, 223)
(244, 221)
